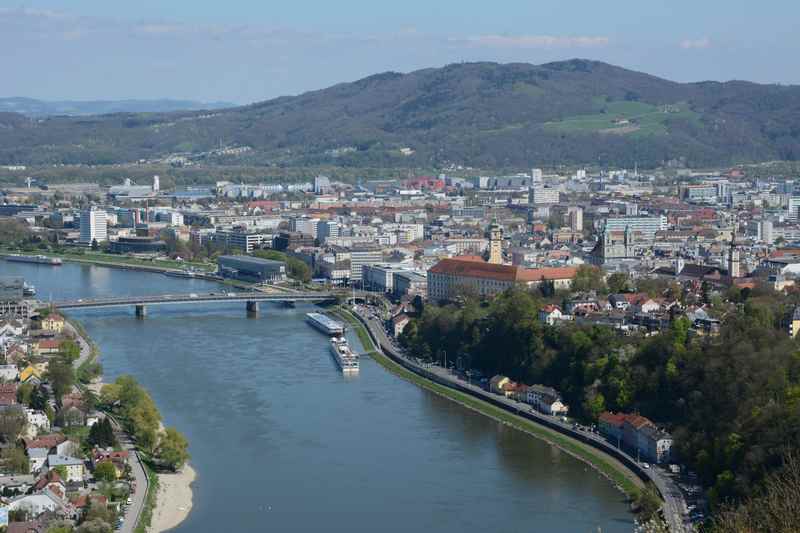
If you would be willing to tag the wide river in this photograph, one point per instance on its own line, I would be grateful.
(282, 442)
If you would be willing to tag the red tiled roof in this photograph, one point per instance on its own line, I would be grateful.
(471, 267)
(49, 344)
(548, 273)
(45, 441)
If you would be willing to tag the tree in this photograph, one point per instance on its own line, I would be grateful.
(94, 525)
(70, 350)
(39, 398)
(62, 472)
(61, 376)
(101, 434)
(12, 423)
(15, 460)
(24, 393)
(588, 278)
(173, 449)
(105, 471)
(617, 282)
(647, 502)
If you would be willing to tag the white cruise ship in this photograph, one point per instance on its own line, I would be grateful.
(325, 324)
(344, 356)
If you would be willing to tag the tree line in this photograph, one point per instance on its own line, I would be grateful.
(732, 401)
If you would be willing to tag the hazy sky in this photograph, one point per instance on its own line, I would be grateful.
(250, 50)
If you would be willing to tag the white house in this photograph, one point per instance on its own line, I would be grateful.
(37, 457)
(37, 504)
(9, 372)
(546, 400)
(550, 314)
(37, 420)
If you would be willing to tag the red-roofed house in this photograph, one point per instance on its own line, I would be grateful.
(450, 277)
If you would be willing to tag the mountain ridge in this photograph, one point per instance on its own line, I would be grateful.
(34, 107)
(481, 114)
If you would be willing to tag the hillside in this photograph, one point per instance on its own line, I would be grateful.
(42, 108)
(480, 114)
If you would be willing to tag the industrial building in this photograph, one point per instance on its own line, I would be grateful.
(253, 269)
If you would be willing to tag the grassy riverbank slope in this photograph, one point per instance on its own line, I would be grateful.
(609, 467)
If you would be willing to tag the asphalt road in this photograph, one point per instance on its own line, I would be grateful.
(134, 510)
(674, 503)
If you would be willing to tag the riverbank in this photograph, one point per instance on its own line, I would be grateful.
(167, 501)
(173, 500)
(121, 261)
(621, 477)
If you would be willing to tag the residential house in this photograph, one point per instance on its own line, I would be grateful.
(12, 327)
(9, 372)
(547, 400)
(37, 457)
(47, 347)
(8, 394)
(611, 426)
(399, 323)
(498, 384)
(550, 314)
(31, 375)
(582, 304)
(52, 481)
(19, 483)
(619, 302)
(37, 421)
(75, 468)
(53, 322)
(39, 503)
(655, 445)
(118, 458)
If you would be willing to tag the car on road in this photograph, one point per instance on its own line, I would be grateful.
(129, 501)
(645, 465)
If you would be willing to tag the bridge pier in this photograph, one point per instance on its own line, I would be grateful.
(141, 311)
(252, 308)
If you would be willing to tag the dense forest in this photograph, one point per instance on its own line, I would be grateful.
(485, 115)
(732, 401)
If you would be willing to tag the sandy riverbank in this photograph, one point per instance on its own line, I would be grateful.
(174, 499)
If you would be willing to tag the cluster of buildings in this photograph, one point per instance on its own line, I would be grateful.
(55, 485)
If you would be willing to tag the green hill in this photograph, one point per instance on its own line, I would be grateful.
(478, 114)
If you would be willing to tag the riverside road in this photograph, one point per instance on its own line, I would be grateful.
(674, 503)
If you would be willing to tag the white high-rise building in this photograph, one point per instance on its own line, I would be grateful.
(322, 184)
(536, 175)
(575, 214)
(156, 184)
(767, 233)
(94, 226)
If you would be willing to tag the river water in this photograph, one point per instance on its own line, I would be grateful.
(282, 442)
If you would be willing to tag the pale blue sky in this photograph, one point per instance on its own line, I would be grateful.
(249, 50)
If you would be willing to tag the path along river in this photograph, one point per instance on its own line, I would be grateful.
(282, 442)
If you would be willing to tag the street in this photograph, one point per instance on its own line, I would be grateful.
(674, 503)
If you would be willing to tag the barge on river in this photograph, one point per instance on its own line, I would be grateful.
(325, 324)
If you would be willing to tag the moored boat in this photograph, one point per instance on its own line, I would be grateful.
(37, 259)
(344, 356)
(325, 324)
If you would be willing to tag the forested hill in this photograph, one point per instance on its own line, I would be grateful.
(479, 114)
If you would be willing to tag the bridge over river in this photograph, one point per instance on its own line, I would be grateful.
(140, 303)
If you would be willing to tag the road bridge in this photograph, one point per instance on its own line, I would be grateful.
(141, 303)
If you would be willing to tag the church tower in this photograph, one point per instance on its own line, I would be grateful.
(495, 243)
(733, 258)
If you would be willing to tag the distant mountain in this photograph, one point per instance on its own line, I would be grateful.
(41, 108)
(480, 114)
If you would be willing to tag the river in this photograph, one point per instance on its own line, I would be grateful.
(282, 442)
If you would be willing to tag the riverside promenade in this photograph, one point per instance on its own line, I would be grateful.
(674, 503)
